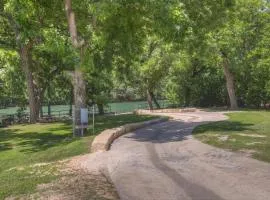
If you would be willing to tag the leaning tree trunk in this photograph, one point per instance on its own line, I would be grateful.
(24, 55)
(149, 100)
(155, 100)
(230, 84)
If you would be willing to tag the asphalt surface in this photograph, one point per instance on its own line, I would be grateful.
(164, 162)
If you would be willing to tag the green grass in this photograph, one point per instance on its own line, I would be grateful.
(244, 131)
(21, 146)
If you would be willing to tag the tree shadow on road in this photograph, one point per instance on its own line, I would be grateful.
(173, 130)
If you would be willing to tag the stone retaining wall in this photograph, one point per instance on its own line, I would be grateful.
(103, 141)
(173, 110)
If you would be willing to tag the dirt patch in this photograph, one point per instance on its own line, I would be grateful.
(223, 138)
(78, 185)
(252, 135)
(74, 183)
(247, 152)
(253, 143)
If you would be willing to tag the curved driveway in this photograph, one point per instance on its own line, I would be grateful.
(164, 162)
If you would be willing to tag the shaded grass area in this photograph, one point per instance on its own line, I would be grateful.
(24, 179)
(21, 146)
(244, 131)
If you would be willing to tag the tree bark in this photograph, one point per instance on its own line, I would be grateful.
(49, 98)
(24, 55)
(100, 109)
(79, 83)
(149, 100)
(187, 97)
(79, 98)
(155, 100)
(26, 64)
(72, 25)
(230, 84)
(39, 101)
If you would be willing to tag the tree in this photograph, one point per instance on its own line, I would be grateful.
(189, 21)
(152, 67)
(234, 41)
(78, 78)
(22, 32)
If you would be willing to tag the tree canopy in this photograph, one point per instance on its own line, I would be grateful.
(189, 52)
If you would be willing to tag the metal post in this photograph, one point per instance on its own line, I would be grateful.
(82, 131)
(73, 119)
(93, 126)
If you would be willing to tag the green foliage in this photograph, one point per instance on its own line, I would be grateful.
(194, 82)
(173, 48)
(20, 112)
(243, 38)
(12, 80)
(152, 65)
(240, 37)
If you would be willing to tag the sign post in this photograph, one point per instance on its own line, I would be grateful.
(73, 119)
(93, 112)
(84, 119)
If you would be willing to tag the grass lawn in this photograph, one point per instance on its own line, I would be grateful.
(245, 131)
(24, 147)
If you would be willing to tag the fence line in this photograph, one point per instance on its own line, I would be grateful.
(66, 112)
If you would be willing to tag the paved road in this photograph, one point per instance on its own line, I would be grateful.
(164, 162)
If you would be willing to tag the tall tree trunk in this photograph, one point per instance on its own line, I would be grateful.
(230, 84)
(187, 97)
(72, 25)
(49, 98)
(155, 100)
(24, 55)
(49, 109)
(79, 98)
(26, 64)
(39, 101)
(100, 108)
(79, 83)
(149, 100)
